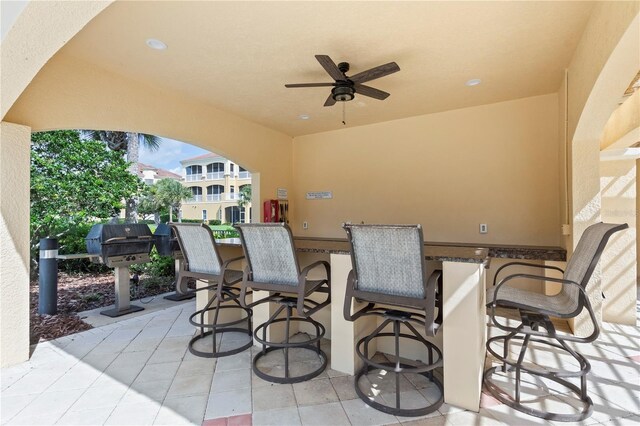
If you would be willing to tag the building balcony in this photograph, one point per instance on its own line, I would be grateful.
(194, 178)
(244, 175)
(232, 196)
(214, 197)
(215, 175)
(195, 199)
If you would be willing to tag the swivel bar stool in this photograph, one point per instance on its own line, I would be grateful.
(535, 310)
(272, 266)
(202, 261)
(389, 268)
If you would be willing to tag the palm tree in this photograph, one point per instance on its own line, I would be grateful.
(128, 143)
(245, 196)
(170, 193)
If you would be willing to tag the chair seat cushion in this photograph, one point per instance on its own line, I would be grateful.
(512, 297)
(232, 276)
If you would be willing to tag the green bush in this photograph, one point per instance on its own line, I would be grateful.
(73, 242)
(160, 266)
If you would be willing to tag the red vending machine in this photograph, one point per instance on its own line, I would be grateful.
(275, 211)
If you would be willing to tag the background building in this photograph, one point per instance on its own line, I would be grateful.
(151, 174)
(215, 183)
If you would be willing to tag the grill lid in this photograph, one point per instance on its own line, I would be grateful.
(166, 242)
(115, 240)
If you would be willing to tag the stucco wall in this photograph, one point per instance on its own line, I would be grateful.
(451, 171)
(39, 32)
(604, 63)
(618, 183)
(14, 250)
(70, 93)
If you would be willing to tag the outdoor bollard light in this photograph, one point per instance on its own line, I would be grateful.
(48, 280)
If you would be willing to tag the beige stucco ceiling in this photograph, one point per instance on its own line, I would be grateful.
(237, 56)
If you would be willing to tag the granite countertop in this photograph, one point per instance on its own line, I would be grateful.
(440, 251)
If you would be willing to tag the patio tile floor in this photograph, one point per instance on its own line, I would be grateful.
(137, 370)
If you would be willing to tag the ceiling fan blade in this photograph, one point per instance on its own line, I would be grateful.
(330, 101)
(330, 67)
(377, 72)
(310, 85)
(371, 92)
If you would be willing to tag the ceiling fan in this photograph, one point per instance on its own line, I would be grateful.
(344, 87)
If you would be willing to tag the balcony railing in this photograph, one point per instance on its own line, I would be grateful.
(195, 199)
(214, 197)
(192, 178)
(215, 175)
(233, 196)
(244, 175)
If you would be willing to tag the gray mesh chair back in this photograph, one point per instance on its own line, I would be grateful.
(270, 253)
(583, 261)
(198, 247)
(389, 259)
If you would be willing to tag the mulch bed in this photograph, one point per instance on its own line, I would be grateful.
(77, 293)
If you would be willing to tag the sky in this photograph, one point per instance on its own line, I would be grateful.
(169, 155)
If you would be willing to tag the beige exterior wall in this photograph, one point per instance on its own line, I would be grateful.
(619, 261)
(602, 67)
(14, 251)
(451, 171)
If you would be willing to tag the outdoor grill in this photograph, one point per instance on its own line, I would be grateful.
(166, 242)
(119, 246)
(167, 245)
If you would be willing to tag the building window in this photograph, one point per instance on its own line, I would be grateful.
(204, 215)
(196, 194)
(244, 174)
(214, 192)
(215, 171)
(232, 214)
(194, 173)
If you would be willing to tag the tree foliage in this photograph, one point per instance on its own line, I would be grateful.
(245, 195)
(170, 193)
(75, 181)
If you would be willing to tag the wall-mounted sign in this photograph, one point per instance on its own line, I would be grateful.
(319, 195)
(282, 194)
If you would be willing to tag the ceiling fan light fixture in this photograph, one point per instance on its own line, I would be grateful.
(342, 93)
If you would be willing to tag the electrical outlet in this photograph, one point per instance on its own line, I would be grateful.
(484, 228)
(305, 225)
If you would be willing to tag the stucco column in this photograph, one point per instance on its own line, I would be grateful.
(619, 267)
(586, 204)
(14, 243)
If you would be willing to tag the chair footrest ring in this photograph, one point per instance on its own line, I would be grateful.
(502, 396)
(218, 354)
(288, 378)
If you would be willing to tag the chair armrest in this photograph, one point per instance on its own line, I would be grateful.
(431, 328)
(532, 265)
(348, 316)
(308, 268)
(581, 290)
(302, 281)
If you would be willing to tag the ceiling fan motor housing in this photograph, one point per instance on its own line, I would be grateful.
(342, 93)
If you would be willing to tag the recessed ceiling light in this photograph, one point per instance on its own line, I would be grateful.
(473, 82)
(304, 116)
(156, 44)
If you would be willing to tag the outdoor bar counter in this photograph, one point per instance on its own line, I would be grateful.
(464, 328)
